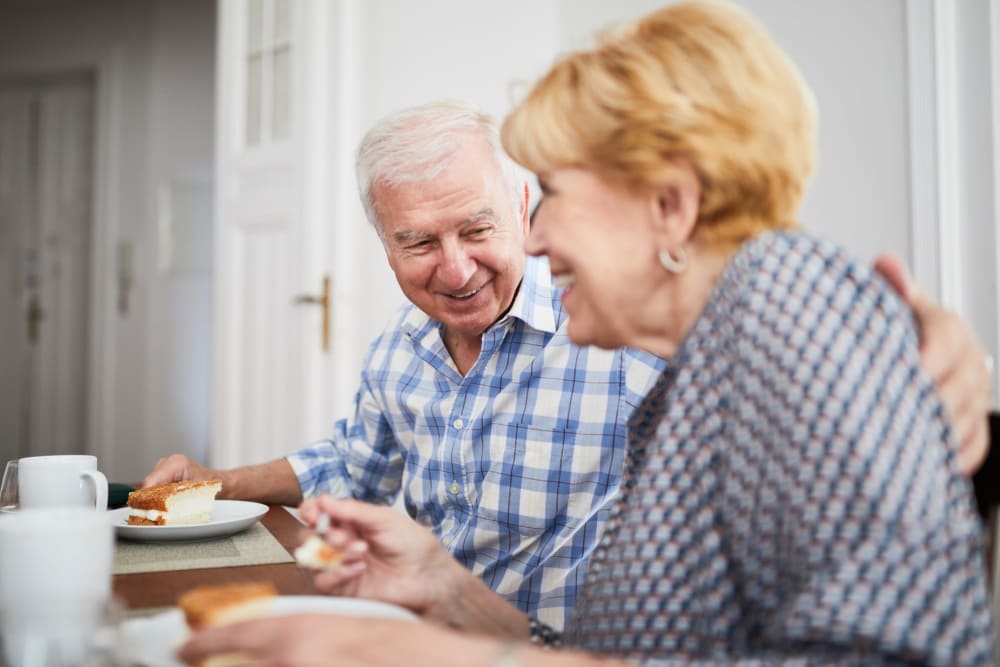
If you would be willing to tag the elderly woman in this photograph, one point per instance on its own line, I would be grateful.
(790, 492)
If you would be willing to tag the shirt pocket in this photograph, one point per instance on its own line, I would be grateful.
(542, 478)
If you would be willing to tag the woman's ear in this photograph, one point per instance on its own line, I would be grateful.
(525, 211)
(675, 206)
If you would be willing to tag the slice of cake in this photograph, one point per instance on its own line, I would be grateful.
(316, 554)
(221, 604)
(173, 504)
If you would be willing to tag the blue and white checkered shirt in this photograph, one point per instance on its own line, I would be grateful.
(512, 466)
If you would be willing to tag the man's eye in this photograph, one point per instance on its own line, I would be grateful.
(479, 232)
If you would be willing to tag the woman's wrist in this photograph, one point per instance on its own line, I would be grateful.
(509, 655)
(464, 602)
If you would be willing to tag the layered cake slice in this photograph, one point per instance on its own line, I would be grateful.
(221, 604)
(173, 504)
(316, 554)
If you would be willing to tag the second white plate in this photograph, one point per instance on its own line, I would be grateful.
(228, 517)
(152, 641)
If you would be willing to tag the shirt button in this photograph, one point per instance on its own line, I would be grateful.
(458, 423)
(454, 488)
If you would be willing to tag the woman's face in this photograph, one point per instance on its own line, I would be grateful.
(601, 249)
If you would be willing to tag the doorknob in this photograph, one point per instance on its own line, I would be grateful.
(322, 300)
(35, 315)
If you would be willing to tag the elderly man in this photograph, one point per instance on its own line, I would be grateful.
(505, 439)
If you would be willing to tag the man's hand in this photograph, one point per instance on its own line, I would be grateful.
(178, 468)
(956, 362)
(273, 482)
(387, 556)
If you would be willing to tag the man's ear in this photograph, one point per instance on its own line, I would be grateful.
(675, 206)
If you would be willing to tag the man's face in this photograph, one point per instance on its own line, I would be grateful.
(455, 243)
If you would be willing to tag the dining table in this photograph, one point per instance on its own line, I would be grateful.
(151, 590)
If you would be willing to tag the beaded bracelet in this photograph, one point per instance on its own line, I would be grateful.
(544, 635)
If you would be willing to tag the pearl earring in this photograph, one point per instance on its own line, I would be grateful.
(671, 264)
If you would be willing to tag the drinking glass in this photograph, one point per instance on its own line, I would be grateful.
(55, 587)
(8, 487)
(54, 640)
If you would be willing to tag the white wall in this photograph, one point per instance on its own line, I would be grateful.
(978, 214)
(852, 53)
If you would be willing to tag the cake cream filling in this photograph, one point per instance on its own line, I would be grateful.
(315, 553)
(187, 507)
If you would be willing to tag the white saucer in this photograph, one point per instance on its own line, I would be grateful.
(228, 517)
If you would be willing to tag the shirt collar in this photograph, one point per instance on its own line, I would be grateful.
(534, 301)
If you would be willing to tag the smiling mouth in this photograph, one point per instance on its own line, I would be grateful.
(466, 296)
(564, 280)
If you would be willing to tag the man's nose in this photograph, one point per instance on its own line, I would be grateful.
(456, 267)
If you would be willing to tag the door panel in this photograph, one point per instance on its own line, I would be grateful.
(59, 405)
(46, 148)
(15, 210)
(267, 348)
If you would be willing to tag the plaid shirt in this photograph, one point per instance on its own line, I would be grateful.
(511, 466)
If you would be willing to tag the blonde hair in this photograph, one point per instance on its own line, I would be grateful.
(696, 80)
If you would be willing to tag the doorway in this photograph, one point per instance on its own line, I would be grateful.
(46, 192)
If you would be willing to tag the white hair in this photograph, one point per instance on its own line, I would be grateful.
(416, 144)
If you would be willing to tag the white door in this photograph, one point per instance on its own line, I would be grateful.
(273, 369)
(46, 146)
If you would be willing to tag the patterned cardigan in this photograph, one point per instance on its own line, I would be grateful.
(791, 492)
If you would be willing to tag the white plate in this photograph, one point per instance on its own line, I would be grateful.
(228, 517)
(152, 641)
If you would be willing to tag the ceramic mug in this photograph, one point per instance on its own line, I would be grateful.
(70, 480)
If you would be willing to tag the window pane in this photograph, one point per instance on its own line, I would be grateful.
(253, 102)
(282, 21)
(255, 25)
(281, 100)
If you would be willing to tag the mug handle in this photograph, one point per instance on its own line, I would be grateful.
(100, 487)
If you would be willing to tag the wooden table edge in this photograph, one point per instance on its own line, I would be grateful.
(160, 589)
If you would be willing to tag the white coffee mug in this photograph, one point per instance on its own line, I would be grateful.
(70, 480)
(55, 583)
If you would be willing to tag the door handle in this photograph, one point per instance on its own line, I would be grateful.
(35, 314)
(322, 300)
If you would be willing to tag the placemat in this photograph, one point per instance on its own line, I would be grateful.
(254, 546)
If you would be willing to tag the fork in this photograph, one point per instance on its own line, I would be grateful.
(322, 524)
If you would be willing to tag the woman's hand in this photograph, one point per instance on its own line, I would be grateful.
(387, 556)
(317, 640)
(326, 639)
(956, 362)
